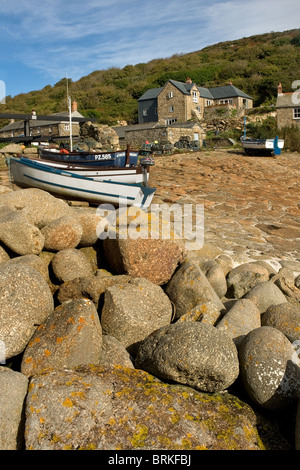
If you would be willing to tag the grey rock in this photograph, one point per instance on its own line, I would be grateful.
(62, 233)
(4, 256)
(13, 390)
(225, 262)
(243, 278)
(69, 337)
(297, 428)
(107, 409)
(35, 261)
(242, 318)
(17, 234)
(26, 301)
(285, 280)
(190, 353)
(269, 368)
(89, 220)
(285, 318)
(206, 312)
(189, 287)
(265, 294)
(39, 207)
(292, 265)
(214, 274)
(71, 263)
(91, 287)
(114, 353)
(297, 282)
(133, 310)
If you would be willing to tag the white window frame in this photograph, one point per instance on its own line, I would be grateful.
(296, 113)
(145, 112)
(170, 94)
(195, 97)
(229, 101)
(169, 122)
(208, 102)
(171, 109)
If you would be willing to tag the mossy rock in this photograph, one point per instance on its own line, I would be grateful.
(117, 408)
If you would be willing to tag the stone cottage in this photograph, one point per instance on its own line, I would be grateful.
(288, 108)
(181, 102)
(60, 128)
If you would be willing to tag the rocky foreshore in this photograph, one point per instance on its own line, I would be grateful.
(139, 344)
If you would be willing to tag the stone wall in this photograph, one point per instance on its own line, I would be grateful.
(135, 138)
(285, 117)
(178, 102)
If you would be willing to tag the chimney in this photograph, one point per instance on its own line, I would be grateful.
(279, 89)
(230, 82)
(189, 80)
(74, 106)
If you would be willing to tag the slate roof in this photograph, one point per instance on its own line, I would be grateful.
(216, 93)
(150, 94)
(227, 91)
(205, 93)
(39, 123)
(285, 101)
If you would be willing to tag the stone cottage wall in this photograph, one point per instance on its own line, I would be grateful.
(178, 102)
(285, 117)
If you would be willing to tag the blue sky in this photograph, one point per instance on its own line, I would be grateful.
(43, 41)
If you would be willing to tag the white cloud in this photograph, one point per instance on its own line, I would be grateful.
(76, 37)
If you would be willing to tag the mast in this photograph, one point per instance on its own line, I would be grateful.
(70, 120)
(70, 115)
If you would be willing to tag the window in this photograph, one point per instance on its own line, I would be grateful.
(171, 121)
(198, 108)
(170, 94)
(195, 97)
(171, 109)
(245, 103)
(208, 102)
(296, 113)
(145, 112)
(67, 127)
(225, 102)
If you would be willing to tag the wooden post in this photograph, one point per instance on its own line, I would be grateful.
(127, 155)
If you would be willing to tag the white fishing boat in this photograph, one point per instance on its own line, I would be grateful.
(128, 174)
(68, 185)
(262, 146)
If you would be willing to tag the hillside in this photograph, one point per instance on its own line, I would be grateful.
(255, 64)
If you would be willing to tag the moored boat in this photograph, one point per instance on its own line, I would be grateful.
(262, 146)
(119, 158)
(27, 173)
(126, 174)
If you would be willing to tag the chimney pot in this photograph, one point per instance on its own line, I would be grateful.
(74, 106)
(189, 80)
(279, 88)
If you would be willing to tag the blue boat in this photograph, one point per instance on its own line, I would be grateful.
(116, 158)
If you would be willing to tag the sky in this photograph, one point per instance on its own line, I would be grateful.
(43, 41)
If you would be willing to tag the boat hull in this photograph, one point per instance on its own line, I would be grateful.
(72, 186)
(128, 174)
(261, 146)
(115, 158)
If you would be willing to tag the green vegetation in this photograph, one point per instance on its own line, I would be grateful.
(255, 65)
